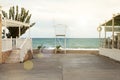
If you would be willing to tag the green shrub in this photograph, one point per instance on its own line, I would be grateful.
(58, 47)
(39, 47)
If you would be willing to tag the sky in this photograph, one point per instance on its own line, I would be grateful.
(82, 17)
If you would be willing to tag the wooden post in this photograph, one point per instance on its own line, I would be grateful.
(100, 44)
(5, 29)
(19, 31)
(0, 38)
(118, 42)
(99, 30)
(113, 31)
(105, 31)
(29, 32)
(65, 44)
(105, 36)
(55, 43)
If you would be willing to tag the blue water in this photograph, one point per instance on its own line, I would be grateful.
(70, 42)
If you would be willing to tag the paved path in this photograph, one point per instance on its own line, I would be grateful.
(64, 67)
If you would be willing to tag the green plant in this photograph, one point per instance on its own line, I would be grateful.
(22, 16)
(58, 47)
(39, 47)
(58, 50)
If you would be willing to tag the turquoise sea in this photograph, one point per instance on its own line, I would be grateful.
(82, 43)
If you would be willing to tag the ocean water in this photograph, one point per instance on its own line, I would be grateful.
(89, 43)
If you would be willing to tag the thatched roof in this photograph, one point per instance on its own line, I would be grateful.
(108, 24)
(116, 21)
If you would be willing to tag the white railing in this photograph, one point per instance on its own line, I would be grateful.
(19, 42)
(25, 46)
(6, 44)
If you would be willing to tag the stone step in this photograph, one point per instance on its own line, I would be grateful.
(15, 51)
(14, 57)
(12, 60)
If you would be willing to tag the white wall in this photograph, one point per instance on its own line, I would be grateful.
(6, 44)
(111, 53)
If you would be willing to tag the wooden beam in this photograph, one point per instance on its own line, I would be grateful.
(113, 31)
(19, 31)
(105, 36)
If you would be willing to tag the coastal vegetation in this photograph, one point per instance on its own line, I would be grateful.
(58, 50)
(40, 48)
(21, 15)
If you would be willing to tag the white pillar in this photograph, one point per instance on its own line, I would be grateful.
(65, 44)
(5, 28)
(19, 31)
(55, 43)
(65, 38)
(100, 39)
(105, 35)
(118, 43)
(29, 31)
(113, 31)
(105, 31)
(99, 30)
(0, 36)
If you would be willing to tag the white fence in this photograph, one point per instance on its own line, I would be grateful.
(19, 42)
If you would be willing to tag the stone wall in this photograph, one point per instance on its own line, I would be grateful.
(36, 51)
(5, 55)
(83, 51)
(29, 55)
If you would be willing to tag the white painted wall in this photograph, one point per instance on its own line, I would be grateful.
(6, 44)
(111, 53)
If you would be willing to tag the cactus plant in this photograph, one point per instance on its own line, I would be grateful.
(14, 14)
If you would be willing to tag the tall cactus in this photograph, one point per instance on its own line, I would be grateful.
(14, 14)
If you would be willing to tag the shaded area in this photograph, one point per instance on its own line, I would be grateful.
(64, 67)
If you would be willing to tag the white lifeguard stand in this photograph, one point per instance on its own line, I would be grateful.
(60, 32)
